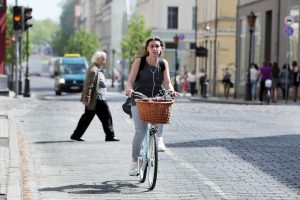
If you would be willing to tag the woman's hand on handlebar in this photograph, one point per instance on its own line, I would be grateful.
(129, 92)
(173, 94)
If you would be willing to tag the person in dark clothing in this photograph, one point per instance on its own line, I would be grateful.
(94, 98)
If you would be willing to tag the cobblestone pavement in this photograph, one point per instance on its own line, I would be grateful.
(214, 151)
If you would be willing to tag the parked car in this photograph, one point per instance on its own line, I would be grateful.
(69, 73)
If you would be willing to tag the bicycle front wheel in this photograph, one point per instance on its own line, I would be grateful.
(152, 162)
(142, 165)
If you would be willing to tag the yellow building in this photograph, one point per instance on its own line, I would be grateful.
(216, 30)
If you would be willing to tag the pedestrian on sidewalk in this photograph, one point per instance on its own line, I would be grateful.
(296, 79)
(148, 79)
(286, 79)
(203, 82)
(265, 73)
(227, 82)
(253, 80)
(275, 81)
(184, 81)
(94, 99)
(192, 82)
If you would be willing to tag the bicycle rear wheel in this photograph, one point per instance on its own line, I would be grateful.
(152, 162)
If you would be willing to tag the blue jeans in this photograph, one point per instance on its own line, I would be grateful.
(253, 88)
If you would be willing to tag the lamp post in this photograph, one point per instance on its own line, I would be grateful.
(251, 22)
(176, 41)
(206, 31)
(112, 68)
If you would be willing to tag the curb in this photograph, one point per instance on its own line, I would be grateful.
(14, 184)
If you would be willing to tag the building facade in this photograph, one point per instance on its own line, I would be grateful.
(167, 19)
(108, 20)
(269, 40)
(216, 30)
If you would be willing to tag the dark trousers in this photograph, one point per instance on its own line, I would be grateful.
(261, 90)
(103, 113)
(193, 88)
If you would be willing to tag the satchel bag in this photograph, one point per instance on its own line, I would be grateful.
(127, 106)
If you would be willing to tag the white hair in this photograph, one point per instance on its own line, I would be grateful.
(98, 54)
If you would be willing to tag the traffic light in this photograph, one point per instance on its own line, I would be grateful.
(26, 16)
(17, 18)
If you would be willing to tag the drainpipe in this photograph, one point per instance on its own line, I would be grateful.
(215, 50)
(278, 28)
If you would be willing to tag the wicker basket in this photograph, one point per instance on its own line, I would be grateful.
(154, 111)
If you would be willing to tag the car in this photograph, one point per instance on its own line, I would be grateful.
(69, 73)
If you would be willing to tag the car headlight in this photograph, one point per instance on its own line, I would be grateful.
(62, 81)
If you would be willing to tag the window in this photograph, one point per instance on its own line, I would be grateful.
(172, 17)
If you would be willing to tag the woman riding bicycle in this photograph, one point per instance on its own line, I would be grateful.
(148, 79)
(265, 73)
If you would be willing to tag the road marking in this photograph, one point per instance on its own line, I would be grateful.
(202, 177)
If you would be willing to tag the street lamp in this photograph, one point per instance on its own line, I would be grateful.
(112, 68)
(206, 32)
(251, 22)
(176, 41)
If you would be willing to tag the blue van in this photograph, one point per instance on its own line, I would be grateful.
(69, 73)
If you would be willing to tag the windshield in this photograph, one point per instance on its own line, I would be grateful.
(73, 68)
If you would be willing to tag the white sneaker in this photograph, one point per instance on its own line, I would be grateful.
(160, 144)
(134, 169)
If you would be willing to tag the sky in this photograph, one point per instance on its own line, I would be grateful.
(41, 9)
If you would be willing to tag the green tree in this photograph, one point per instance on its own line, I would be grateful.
(42, 31)
(66, 27)
(83, 43)
(9, 34)
(135, 38)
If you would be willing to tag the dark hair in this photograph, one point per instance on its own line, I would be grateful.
(294, 63)
(275, 70)
(146, 53)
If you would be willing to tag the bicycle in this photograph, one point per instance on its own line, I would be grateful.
(267, 91)
(154, 111)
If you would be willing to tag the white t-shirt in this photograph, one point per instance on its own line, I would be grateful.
(253, 74)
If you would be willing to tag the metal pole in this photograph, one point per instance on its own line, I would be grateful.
(17, 63)
(176, 66)
(196, 31)
(247, 92)
(27, 83)
(20, 64)
(288, 61)
(112, 68)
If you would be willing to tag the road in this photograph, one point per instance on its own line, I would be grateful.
(214, 151)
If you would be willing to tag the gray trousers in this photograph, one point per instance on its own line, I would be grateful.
(141, 130)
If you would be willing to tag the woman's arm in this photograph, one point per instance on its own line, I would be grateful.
(166, 77)
(132, 76)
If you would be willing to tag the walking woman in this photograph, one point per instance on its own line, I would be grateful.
(153, 77)
(275, 81)
(296, 79)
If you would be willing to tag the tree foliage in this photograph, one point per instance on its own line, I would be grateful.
(42, 31)
(83, 43)
(135, 38)
(66, 27)
(9, 34)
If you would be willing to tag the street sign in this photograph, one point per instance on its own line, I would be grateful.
(181, 37)
(288, 31)
(288, 20)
